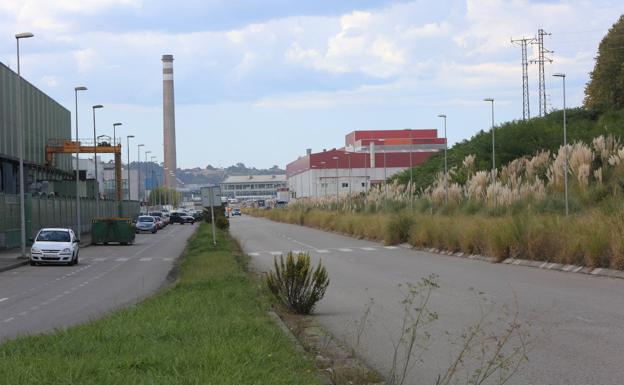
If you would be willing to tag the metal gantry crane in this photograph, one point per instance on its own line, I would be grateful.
(64, 146)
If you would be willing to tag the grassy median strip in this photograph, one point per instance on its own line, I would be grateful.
(210, 328)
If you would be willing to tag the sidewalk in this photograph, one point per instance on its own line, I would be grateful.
(10, 259)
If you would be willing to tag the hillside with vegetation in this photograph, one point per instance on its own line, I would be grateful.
(517, 210)
(601, 114)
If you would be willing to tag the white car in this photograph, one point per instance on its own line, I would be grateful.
(55, 245)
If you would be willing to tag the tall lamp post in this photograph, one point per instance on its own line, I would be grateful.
(139, 176)
(146, 175)
(78, 224)
(115, 132)
(493, 147)
(128, 146)
(337, 179)
(154, 185)
(20, 143)
(565, 142)
(323, 173)
(443, 116)
(385, 170)
(348, 154)
(97, 181)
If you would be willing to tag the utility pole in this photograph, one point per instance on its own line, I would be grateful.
(541, 59)
(526, 107)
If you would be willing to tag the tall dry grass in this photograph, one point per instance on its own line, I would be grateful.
(593, 239)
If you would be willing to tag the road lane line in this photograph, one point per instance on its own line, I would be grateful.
(367, 248)
(9, 319)
(390, 247)
(145, 259)
(345, 250)
(276, 253)
(254, 254)
(3, 299)
(322, 251)
(303, 244)
(121, 259)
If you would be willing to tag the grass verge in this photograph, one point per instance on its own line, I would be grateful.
(211, 327)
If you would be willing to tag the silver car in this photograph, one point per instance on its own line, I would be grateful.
(146, 223)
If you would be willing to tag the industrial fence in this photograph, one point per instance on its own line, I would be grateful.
(44, 211)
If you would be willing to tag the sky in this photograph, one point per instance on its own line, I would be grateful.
(260, 81)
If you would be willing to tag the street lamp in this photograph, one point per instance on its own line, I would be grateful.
(20, 142)
(139, 177)
(493, 148)
(78, 225)
(310, 181)
(115, 132)
(443, 116)
(385, 169)
(146, 174)
(97, 181)
(336, 159)
(128, 144)
(565, 141)
(151, 166)
(348, 154)
(323, 173)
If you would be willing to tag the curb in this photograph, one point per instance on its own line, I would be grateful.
(598, 271)
(14, 265)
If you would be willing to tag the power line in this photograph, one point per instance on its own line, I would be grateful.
(541, 60)
(526, 108)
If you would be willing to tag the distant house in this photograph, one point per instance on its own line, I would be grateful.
(253, 186)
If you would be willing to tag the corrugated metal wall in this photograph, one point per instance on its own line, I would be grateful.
(52, 212)
(44, 119)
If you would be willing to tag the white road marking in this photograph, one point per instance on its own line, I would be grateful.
(322, 251)
(276, 253)
(578, 269)
(3, 299)
(22, 313)
(367, 248)
(99, 259)
(254, 254)
(345, 250)
(167, 259)
(9, 319)
(145, 259)
(390, 247)
(121, 259)
(303, 244)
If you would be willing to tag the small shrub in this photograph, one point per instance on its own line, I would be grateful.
(222, 223)
(397, 230)
(296, 284)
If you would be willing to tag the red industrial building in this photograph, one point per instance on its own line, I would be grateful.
(368, 158)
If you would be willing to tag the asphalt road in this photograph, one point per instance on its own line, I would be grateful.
(35, 299)
(576, 320)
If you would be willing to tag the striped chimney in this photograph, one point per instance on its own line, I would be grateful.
(170, 162)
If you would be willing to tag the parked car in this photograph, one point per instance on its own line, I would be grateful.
(146, 223)
(54, 245)
(159, 215)
(236, 211)
(159, 223)
(181, 218)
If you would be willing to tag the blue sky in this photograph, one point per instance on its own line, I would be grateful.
(260, 81)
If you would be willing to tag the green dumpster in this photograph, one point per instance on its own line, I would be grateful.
(107, 230)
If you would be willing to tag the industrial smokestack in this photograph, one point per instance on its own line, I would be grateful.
(170, 162)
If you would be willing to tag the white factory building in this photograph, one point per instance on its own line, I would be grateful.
(368, 158)
(252, 186)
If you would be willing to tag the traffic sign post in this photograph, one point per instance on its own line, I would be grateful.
(211, 197)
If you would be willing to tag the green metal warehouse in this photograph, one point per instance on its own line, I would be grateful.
(43, 119)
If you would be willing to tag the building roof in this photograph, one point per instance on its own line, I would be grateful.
(255, 179)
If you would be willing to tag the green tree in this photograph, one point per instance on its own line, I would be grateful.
(163, 196)
(605, 89)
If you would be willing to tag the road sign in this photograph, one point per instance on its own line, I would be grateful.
(211, 196)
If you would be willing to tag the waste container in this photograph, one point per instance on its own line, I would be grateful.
(107, 230)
